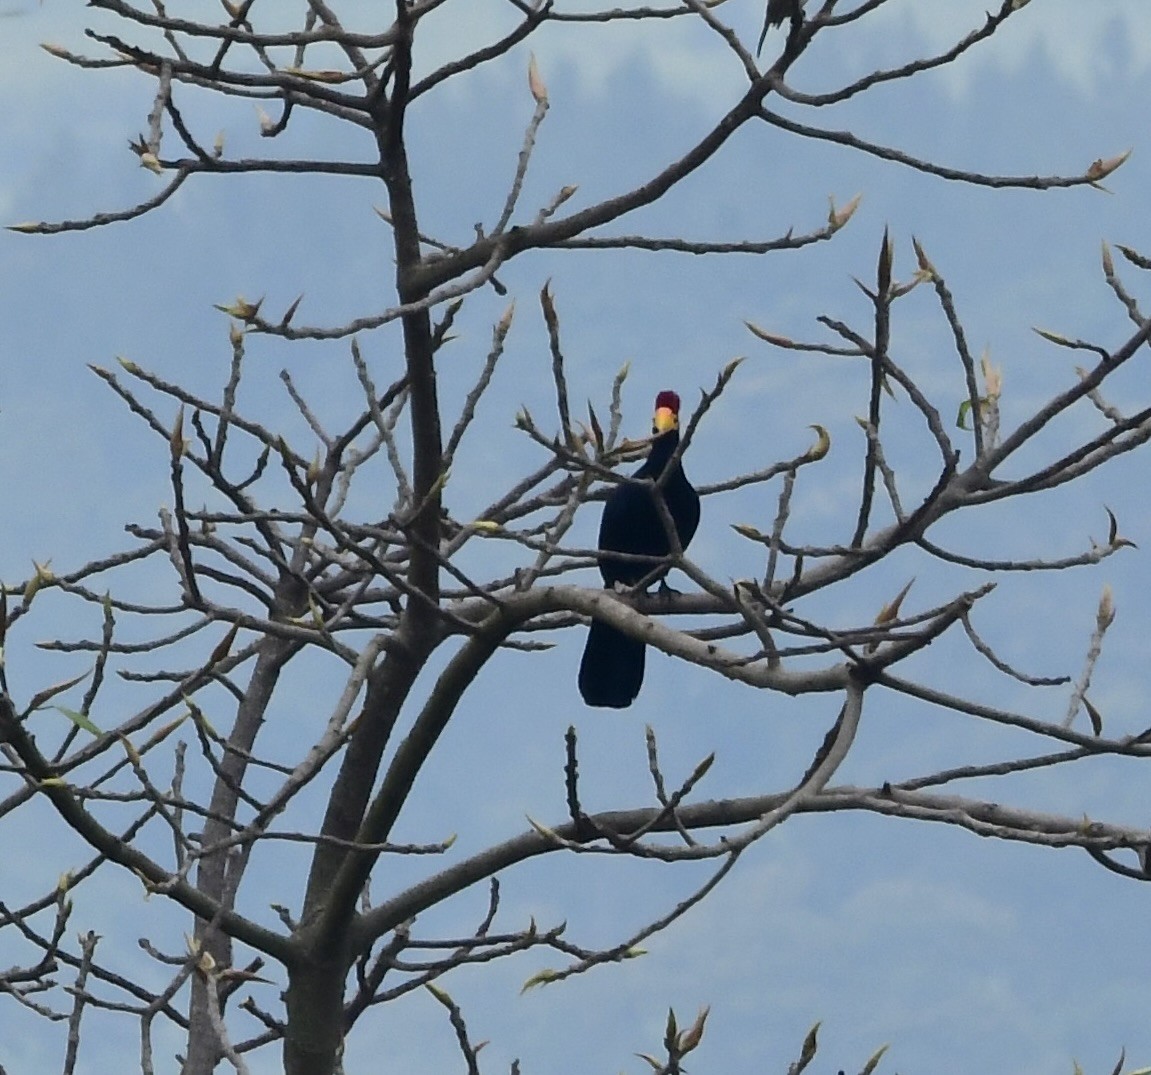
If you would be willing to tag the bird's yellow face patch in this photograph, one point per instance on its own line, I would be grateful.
(665, 419)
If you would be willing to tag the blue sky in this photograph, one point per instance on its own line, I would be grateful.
(963, 954)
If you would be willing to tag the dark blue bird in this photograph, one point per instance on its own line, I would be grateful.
(611, 671)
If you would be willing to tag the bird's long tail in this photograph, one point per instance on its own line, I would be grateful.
(611, 670)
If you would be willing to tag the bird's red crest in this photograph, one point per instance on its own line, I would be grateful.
(668, 399)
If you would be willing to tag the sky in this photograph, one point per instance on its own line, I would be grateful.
(962, 954)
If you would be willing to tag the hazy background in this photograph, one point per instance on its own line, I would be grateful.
(965, 955)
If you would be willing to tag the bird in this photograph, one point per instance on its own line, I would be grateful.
(611, 670)
(778, 12)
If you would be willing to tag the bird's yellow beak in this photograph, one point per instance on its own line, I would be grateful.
(665, 419)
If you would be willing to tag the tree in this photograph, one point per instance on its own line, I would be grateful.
(284, 567)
